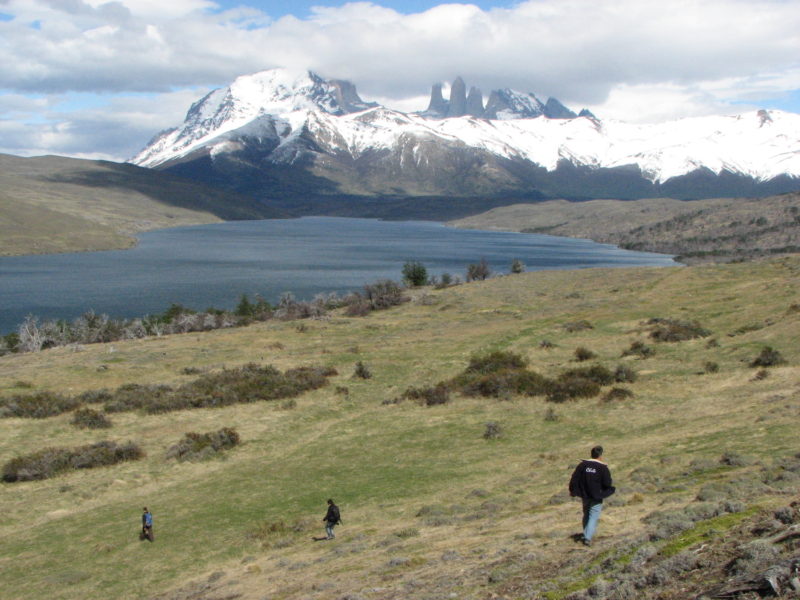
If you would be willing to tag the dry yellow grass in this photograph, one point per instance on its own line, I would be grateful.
(430, 508)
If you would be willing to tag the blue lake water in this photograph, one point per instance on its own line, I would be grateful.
(212, 265)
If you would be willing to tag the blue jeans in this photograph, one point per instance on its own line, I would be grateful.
(329, 529)
(591, 515)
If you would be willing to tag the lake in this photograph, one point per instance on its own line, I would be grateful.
(213, 265)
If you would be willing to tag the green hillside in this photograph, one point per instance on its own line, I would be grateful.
(702, 449)
(56, 204)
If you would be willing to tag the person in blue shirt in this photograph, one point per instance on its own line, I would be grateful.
(147, 525)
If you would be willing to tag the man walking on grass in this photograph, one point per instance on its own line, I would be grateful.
(591, 481)
(332, 518)
(147, 525)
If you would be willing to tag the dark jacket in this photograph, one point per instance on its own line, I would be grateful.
(591, 480)
(332, 516)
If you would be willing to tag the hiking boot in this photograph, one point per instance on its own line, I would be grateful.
(587, 543)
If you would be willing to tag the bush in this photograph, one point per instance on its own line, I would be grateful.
(572, 387)
(493, 431)
(517, 266)
(250, 383)
(577, 326)
(769, 357)
(583, 354)
(415, 274)
(617, 393)
(88, 418)
(429, 396)
(674, 330)
(198, 446)
(639, 349)
(498, 360)
(478, 271)
(624, 374)
(37, 406)
(362, 371)
(597, 373)
(49, 462)
(710, 366)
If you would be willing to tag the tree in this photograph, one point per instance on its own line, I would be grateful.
(478, 271)
(415, 274)
(244, 308)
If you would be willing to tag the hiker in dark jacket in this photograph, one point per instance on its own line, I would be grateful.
(147, 525)
(591, 481)
(331, 519)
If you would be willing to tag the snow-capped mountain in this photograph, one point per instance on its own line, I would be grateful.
(282, 132)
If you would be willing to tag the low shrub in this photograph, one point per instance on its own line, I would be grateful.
(769, 357)
(94, 396)
(583, 354)
(49, 462)
(493, 431)
(198, 446)
(617, 393)
(597, 373)
(498, 360)
(576, 326)
(551, 416)
(37, 406)
(624, 374)
(710, 366)
(88, 418)
(640, 349)
(760, 375)
(572, 387)
(362, 371)
(674, 330)
(242, 385)
(428, 396)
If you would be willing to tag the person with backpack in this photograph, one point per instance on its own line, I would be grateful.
(331, 519)
(147, 525)
(591, 481)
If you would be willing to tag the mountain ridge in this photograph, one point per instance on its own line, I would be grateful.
(276, 125)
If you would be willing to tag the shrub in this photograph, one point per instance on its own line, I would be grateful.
(674, 330)
(478, 271)
(362, 371)
(37, 406)
(198, 446)
(517, 266)
(445, 280)
(546, 344)
(493, 431)
(710, 366)
(576, 326)
(49, 462)
(597, 373)
(429, 396)
(617, 393)
(624, 374)
(582, 354)
(94, 396)
(88, 418)
(769, 357)
(551, 416)
(639, 349)
(384, 294)
(495, 361)
(572, 387)
(415, 274)
(760, 375)
(249, 383)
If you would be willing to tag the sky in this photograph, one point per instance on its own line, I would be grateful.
(98, 79)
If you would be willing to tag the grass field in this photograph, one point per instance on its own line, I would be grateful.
(430, 508)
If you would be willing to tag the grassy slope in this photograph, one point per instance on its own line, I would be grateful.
(724, 228)
(56, 204)
(75, 536)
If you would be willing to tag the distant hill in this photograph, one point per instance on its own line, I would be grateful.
(57, 204)
(718, 229)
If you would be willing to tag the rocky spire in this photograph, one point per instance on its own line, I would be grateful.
(458, 99)
(553, 109)
(475, 102)
(437, 105)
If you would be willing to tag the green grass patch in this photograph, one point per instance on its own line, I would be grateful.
(705, 530)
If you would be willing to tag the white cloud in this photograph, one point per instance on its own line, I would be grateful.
(628, 58)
